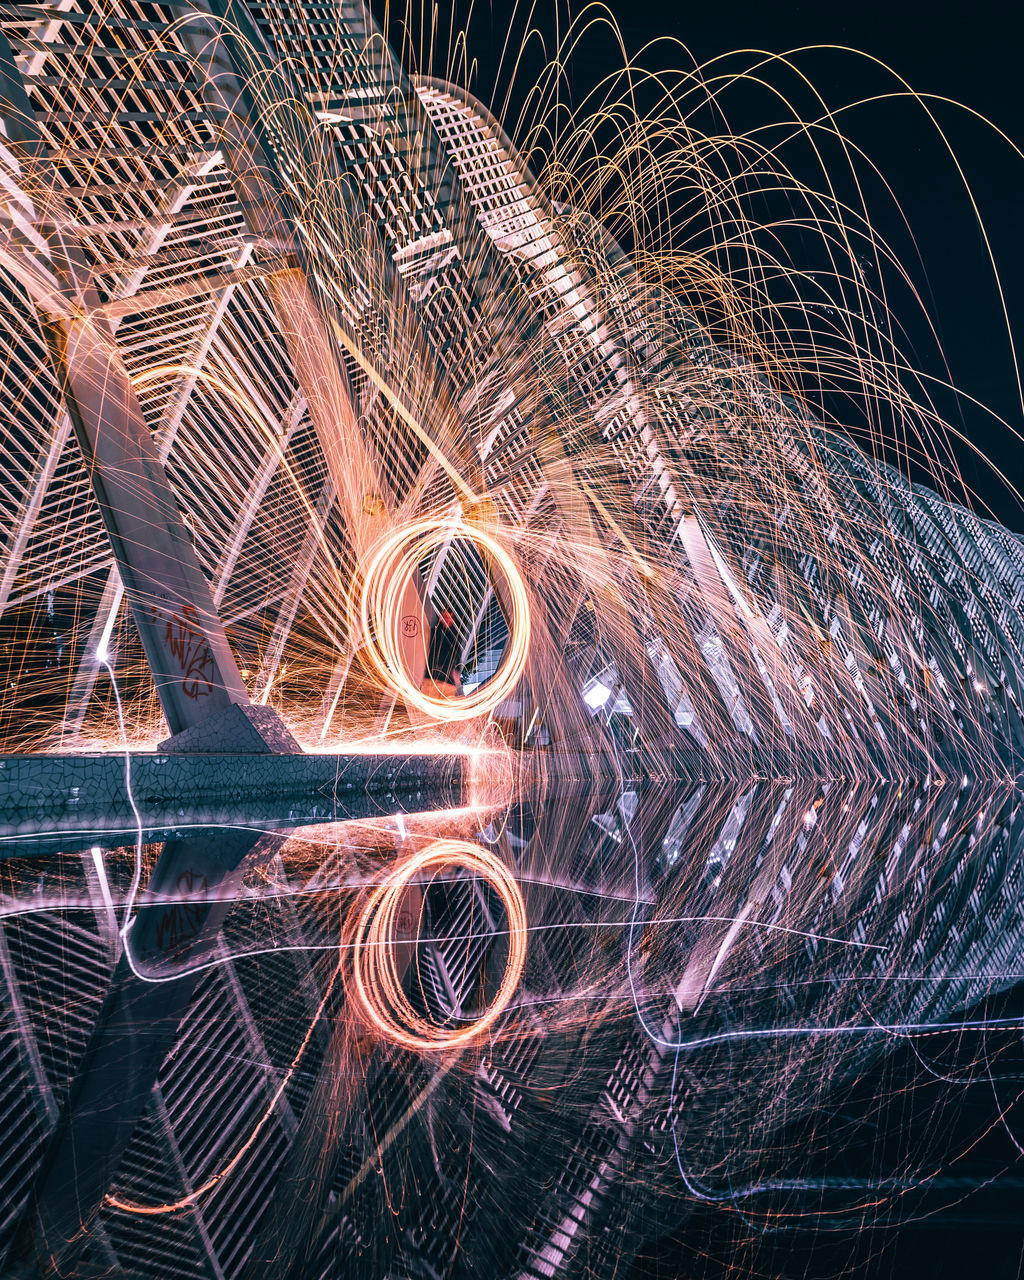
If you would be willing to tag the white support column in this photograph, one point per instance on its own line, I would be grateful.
(257, 491)
(30, 512)
(289, 606)
(89, 663)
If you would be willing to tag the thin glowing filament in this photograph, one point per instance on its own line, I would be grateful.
(153, 1210)
(375, 969)
(389, 572)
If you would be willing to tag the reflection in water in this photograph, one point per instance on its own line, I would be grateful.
(764, 1009)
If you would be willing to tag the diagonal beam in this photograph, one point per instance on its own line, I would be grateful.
(289, 606)
(196, 1211)
(30, 513)
(166, 433)
(193, 668)
(27, 518)
(45, 33)
(120, 1066)
(257, 491)
(224, 45)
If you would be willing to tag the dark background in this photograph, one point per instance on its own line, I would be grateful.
(970, 53)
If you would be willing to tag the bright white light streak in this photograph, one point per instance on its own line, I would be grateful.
(101, 876)
(597, 696)
(103, 648)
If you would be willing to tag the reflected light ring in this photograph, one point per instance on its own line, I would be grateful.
(375, 969)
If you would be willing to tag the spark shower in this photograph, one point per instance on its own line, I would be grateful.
(570, 459)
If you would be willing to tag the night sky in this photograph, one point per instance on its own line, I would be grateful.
(962, 52)
(968, 54)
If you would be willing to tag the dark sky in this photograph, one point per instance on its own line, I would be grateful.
(969, 54)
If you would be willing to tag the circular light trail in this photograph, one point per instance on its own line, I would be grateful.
(375, 956)
(390, 569)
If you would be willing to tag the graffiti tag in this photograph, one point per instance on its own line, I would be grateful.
(191, 650)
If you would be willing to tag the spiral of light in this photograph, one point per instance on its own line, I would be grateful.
(376, 970)
(390, 569)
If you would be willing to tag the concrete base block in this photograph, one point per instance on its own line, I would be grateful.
(40, 794)
(240, 730)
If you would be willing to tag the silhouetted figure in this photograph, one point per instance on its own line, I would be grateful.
(443, 657)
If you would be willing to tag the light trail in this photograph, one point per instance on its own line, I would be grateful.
(389, 574)
(183, 1202)
(375, 970)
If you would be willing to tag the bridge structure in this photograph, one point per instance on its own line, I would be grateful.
(320, 298)
(268, 298)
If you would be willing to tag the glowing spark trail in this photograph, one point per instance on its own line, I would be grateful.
(578, 445)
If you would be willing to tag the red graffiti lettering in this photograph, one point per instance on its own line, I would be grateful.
(191, 651)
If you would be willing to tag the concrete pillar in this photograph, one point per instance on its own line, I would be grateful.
(194, 670)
